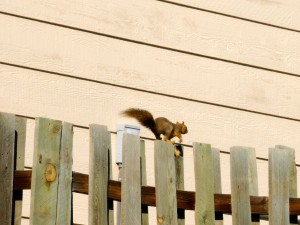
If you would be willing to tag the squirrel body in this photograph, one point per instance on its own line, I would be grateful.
(158, 126)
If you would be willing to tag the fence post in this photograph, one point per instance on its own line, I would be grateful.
(7, 148)
(239, 166)
(165, 182)
(20, 160)
(98, 174)
(204, 196)
(45, 172)
(131, 181)
(64, 206)
(279, 179)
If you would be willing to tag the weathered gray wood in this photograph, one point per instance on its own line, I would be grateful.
(204, 196)
(110, 203)
(293, 177)
(165, 182)
(216, 171)
(98, 174)
(217, 179)
(252, 177)
(65, 176)
(131, 181)
(292, 169)
(179, 168)
(239, 164)
(44, 182)
(145, 216)
(20, 160)
(7, 147)
(279, 186)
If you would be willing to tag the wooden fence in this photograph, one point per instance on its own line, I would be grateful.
(52, 180)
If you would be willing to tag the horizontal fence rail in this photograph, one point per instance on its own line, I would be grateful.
(52, 180)
(185, 199)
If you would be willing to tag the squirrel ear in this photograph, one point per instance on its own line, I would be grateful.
(182, 122)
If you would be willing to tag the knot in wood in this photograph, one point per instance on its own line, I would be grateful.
(50, 172)
(160, 220)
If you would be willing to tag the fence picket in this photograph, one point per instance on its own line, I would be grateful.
(179, 168)
(65, 176)
(165, 181)
(217, 181)
(204, 196)
(293, 177)
(7, 147)
(145, 216)
(253, 180)
(279, 186)
(110, 202)
(20, 160)
(239, 164)
(131, 181)
(98, 174)
(44, 181)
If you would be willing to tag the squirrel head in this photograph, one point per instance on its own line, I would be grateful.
(182, 127)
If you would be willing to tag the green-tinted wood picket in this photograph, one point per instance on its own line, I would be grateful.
(7, 147)
(204, 199)
(19, 160)
(98, 174)
(131, 181)
(45, 172)
(64, 206)
(165, 181)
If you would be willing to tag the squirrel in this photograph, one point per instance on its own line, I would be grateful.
(158, 126)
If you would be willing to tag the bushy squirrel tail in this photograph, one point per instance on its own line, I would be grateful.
(144, 117)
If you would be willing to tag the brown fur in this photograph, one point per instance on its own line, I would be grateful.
(158, 126)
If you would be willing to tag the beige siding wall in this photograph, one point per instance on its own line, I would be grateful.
(229, 70)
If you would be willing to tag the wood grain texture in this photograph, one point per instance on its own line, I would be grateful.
(279, 186)
(147, 68)
(145, 215)
(292, 170)
(217, 180)
(285, 16)
(179, 172)
(165, 183)
(45, 172)
(64, 199)
(221, 127)
(239, 166)
(292, 175)
(99, 174)
(204, 182)
(19, 164)
(131, 181)
(216, 170)
(7, 151)
(252, 179)
(175, 27)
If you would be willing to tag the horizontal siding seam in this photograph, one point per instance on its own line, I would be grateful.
(152, 45)
(152, 92)
(228, 15)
